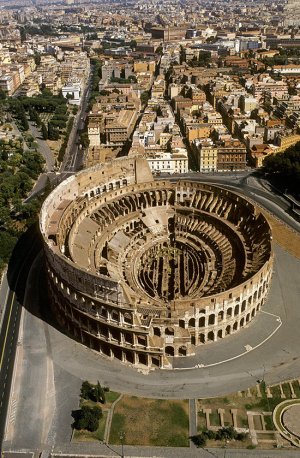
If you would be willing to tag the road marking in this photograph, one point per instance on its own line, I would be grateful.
(6, 296)
(7, 328)
(236, 356)
(272, 314)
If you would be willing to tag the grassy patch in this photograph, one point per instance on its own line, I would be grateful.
(110, 397)
(201, 423)
(286, 389)
(118, 424)
(214, 418)
(150, 422)
(275, 390)
(269, 422)
(242, 421)
(257, 422)
(85, 436)
(265, 436)
(249, 406)
(228, 418)
(268, 404)
(296, 387)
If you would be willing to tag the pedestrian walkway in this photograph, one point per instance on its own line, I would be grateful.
(94, 449)
(4, 290)
(192, 420)
(109, 419)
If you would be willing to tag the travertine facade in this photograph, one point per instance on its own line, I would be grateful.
(142, 270)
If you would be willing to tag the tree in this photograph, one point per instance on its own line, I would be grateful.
(99, 394)
(92, 36)
(87, 390)
(226, 433)
(60, 123)
(87, 418)
(145, 97)
(2, 95)
(7, 243)
(211, 39)
(34, 116)
(4, 215)
(242, 436)
(22, 34)
(23, 120)
(53, 133)
(284, 169)
(199, 440)
(209, 434)
(44, 131)
(37, 58)
(292, 90)
(133, 44)
(84, 139)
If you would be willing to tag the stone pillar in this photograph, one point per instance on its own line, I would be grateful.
(221, 415)
(207, 412)
(234, 417)
(134, 340)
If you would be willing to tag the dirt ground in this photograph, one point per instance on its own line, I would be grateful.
(288, 239)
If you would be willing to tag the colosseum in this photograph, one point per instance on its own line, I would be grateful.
(145, 271)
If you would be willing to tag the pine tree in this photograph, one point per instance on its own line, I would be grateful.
(44, 131)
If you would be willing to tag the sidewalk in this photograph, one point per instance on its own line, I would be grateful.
(95, 449)
(4, 290)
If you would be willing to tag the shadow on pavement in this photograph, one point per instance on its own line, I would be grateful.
(24, 256)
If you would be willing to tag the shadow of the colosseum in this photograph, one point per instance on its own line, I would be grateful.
(25, 251)
(26, 266)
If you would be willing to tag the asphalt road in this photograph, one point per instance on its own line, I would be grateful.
(73, 155)
(8, 342)
(73, 158)
(12, 290)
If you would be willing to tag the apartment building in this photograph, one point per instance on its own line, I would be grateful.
(205, 155)
(231, 156)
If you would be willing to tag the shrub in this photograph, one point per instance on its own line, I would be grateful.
(209, 434)
(242, 436)
(199, 440)
(87, 389)
(92, 392)
(87, 418)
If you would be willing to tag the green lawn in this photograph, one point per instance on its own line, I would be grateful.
(150, 422)
(111, 396)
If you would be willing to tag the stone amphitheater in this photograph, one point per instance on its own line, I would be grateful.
(145, 271)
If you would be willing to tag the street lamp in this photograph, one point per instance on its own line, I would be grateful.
(122, 437)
